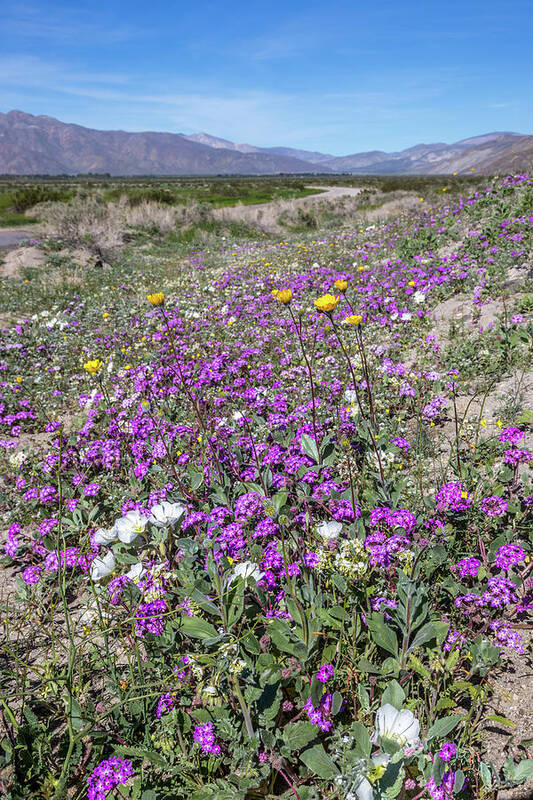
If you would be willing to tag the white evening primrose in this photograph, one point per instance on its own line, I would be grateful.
(136, 572)
(103, 536)
(165, 514)
(400, 726)
(329, 530)
(245, 570)
(130, 526)
(102, 566)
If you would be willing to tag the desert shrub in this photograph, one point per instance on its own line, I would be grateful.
(25, 198)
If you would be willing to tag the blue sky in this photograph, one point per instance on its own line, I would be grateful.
(339, 77)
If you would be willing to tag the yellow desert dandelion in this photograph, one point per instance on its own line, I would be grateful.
(156, 299)
(93, 366)
(327, 303)
(341, 285)
(283, 295)
(354, 319)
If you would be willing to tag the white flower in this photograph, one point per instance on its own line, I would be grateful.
(166, 514)
(136, 572)
(92, 613)
(363, 789)
(350, 395)
(16, 459)
(104, 537)
(127, 528)
(329, 530)
(102, 566)
(400, 726)
(419, 297)
(246, 570)
(406, 316)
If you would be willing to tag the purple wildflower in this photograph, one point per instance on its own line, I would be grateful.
(509, 554)
(467, 567)
(516, 456)
(512, 435)
(325, 672)
(401, 443)
(106, 776)
(204, 735)
(319, 715)
(452, 497)
(494, 506)
(31, 575)
(447, 751)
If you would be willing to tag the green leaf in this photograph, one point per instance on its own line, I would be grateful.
(393, 694)
(364, 697)
(196, 480)
(363, 745)
(501, 720)
(317, 760)
(445, 702)
(364, 665)
(317, 690)
(524, 770)
(422, 636)
(486, 774)
(382, 635)
(298, 734)
(140, 752)
(310, 447)
(76, 715)
(198, 628)
(251, 643)
(458, 781)
(336, 703)
(444, 726)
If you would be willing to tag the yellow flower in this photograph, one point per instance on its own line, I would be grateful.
(156, 299)
(354, 319)
(411, 283)
(18, 379)
(341, 285)
(105, 315)
(92, 367)
(361, 268)
(284, 296)
(327, 303)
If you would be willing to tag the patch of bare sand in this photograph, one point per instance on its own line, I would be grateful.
(16, 261)
(513, 699)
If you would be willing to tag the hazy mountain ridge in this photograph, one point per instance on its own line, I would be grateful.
(43, 145)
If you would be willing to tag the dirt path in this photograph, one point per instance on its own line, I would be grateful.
(265, 215)
(12, 237)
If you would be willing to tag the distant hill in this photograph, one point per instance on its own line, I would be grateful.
(44, 145)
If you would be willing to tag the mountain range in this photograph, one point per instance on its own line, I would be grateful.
(42, 145)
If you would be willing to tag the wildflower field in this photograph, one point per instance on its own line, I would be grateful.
(267, 513)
